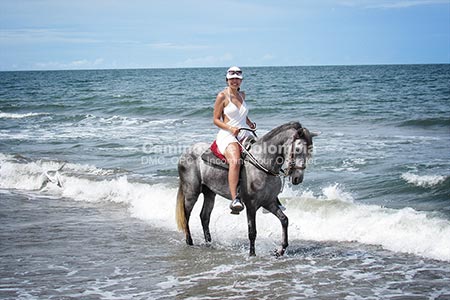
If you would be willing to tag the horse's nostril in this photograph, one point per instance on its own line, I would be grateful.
(297, 180)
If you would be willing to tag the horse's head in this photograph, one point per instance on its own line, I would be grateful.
(293, 146)
(299, 153)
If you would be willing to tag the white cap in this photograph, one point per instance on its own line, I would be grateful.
(234, 72)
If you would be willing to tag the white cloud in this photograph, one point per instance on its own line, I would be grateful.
(165, 45)
(76, 64)
(268, 57)
(43, 36)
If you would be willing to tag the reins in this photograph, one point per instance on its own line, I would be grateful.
(256, 163)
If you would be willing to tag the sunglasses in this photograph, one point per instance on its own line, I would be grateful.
(235, 72)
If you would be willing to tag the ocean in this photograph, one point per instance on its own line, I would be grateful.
(370, 221)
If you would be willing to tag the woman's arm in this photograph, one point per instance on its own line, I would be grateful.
(251, 124)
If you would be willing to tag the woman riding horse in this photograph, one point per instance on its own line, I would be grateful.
(230, 114)
(260, 179)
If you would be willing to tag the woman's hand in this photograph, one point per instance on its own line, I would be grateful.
(234, 130)
(251, 125)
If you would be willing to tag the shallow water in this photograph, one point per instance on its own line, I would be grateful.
(370, 221)
(58, 248)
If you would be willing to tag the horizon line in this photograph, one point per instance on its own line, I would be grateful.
(243, 66)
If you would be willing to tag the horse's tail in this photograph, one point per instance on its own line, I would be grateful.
(180, 212)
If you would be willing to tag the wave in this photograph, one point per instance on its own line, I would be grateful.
(19, 172)
(325, 218)
(68, 126)
(424, 181)
(333, 215)
(129, 121)
(97, 121)
(427, 122)
(117, 120)
(197, 112)
(4, 115)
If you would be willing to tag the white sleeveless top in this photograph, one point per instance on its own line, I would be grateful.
(237, 118)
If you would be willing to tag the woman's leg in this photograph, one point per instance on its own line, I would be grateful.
(233, 156)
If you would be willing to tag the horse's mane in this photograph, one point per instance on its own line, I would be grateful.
(274, 132)
(301, 131)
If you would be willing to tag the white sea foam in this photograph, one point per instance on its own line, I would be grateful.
(116, 120)
(405, 230)
(23, 175)
(4, 115)
(17, 173)
(335, 192)
(331, 216)
(424, 180)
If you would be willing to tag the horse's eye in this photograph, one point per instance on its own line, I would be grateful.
(299, 149)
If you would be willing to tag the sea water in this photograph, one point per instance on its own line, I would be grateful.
(370, 221)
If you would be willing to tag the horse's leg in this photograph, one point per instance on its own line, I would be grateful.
(205, 214)
(189, 205)
(275, 209)
(251, 220)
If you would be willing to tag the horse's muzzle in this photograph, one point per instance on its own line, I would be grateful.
(297, 178)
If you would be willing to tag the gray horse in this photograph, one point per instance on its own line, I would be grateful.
(260, 181)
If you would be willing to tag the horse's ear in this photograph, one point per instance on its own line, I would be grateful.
(315, 133)
(304, 132)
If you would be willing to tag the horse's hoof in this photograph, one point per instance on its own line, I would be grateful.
(278, 252)
(235, 212)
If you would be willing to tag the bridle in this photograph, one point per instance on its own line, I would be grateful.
(291, 165)
(291, 162)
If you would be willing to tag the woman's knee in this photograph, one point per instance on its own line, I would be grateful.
(233, 154)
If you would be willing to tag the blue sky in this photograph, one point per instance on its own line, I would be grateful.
(99, 34)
